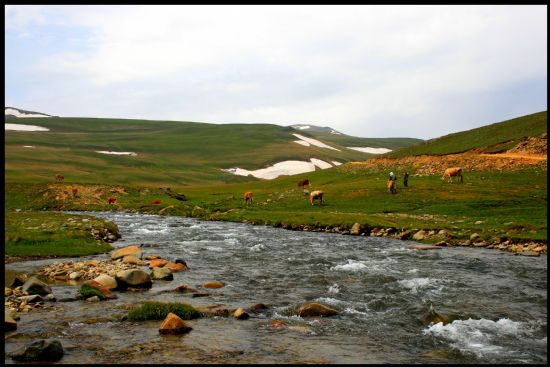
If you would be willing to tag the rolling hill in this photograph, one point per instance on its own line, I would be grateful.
(493, 138)
(155, 152)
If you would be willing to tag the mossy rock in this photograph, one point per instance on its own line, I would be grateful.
(88, 291)
(159, 311)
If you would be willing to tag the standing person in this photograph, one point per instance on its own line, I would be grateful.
(406, 179)
(392, 187)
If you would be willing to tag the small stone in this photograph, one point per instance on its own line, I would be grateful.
(240, 314)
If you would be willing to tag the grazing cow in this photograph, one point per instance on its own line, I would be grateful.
(317, 194)
(248, 197)
(454, 171)
(112, 200)
(59, 177)
(74, 189)
(303, 183)
(155, 202)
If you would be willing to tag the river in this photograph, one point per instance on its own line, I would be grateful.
(382, 289)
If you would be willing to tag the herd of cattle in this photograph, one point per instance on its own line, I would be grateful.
(313, 196)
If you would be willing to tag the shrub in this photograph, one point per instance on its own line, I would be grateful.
(159, 311)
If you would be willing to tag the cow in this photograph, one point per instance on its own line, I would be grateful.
(111, 200)
(155, 202)
(59, 177)
(248, 197)
(317, 194)
(454, 171)
(303, 183)
(74, 189)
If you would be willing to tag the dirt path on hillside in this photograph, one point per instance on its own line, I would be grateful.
(534, 157)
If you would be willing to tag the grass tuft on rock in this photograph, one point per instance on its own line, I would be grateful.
(88, 291)
(159, 311)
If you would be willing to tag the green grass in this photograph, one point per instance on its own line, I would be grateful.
(169, 152)
(88, 291)
(510, 204)
(33, 233)
(159, 311)
(510, 131)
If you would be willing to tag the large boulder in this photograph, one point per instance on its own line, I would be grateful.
(107, 281)
(35, 286)
(125, 251)
(173, 324)
(40, 350)
(162, 274)
(315, 309)
(135, 278)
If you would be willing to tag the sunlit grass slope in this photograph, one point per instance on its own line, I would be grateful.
(497, 136)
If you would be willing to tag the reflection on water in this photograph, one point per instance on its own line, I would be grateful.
(496, 302)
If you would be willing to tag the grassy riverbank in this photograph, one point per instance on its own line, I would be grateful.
(509, 204)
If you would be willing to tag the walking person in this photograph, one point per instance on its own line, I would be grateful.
(406, 179)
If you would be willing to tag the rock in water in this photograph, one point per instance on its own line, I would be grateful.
(41, 350)
(173, 324)
(36, 286)
(315, 309)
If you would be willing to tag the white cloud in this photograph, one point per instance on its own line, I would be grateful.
(374, 71)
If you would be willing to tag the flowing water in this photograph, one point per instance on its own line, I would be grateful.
(382, 289)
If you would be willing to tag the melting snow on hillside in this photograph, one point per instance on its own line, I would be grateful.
(21, 127)
(17, 113)
(286, 168)
(371, 150)
(309, 141)
(116, 153)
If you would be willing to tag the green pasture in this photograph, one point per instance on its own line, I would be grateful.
(35, 233)
(506, 204)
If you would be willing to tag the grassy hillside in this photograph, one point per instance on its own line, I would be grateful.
(494, 137)
(168, 152)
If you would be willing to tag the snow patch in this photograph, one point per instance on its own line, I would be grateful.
(335, 132)
(314, 142)
(17, 113)
(371, 150)
(21, 127)
(336, 163)
(301, 142)
(116, 153)
(28, 146)
(286, 168)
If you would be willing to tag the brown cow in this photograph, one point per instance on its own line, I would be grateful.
(59, 177)
(454, 171)
(248, 197)
(74, 189)
(155, 202)
(112, 200)
(303, 183)
(317, 194)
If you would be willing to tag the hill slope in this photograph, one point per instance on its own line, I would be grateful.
(154, 152)
(491, 138)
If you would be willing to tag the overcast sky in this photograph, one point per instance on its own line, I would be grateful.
(365, 70)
